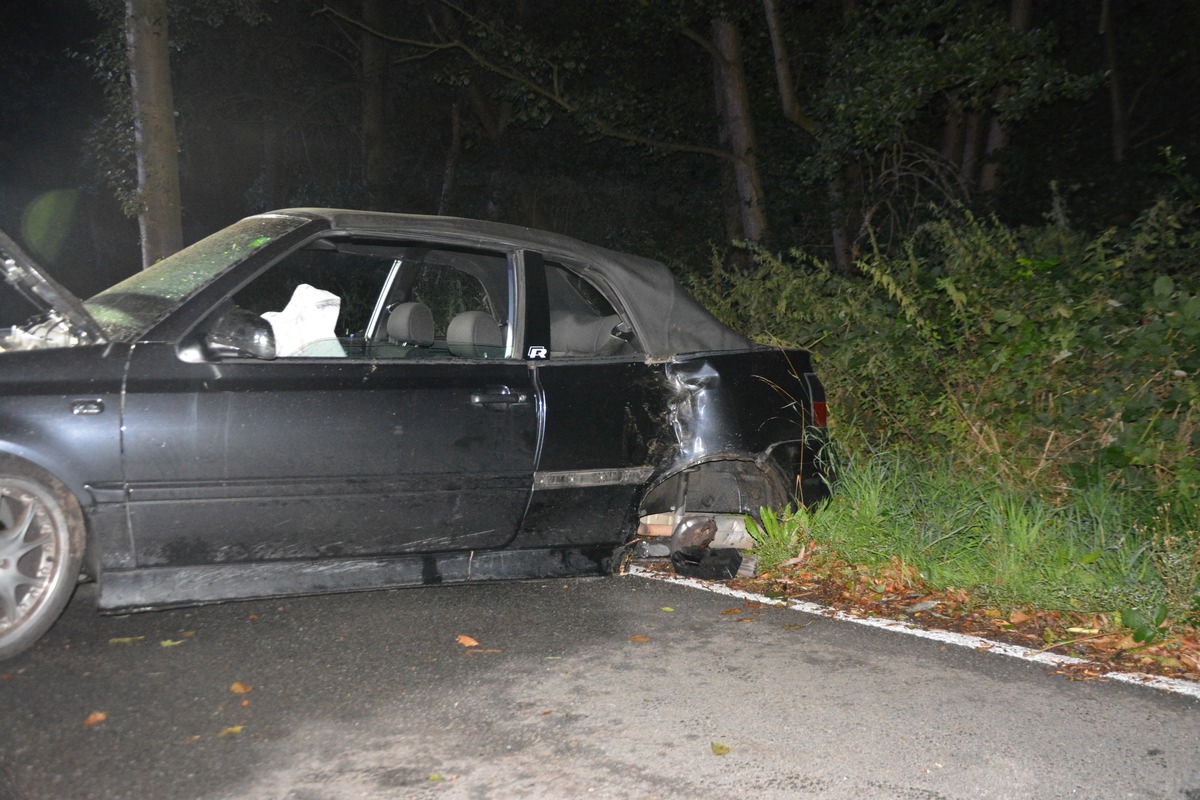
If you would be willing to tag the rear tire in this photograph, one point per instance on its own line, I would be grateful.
(42, 536)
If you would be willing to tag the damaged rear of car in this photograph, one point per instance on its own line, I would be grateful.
(711, 426)
(750, 428)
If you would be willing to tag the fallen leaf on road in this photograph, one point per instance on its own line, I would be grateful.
(928, 605)
(467, 641)
(639, 639)
(95, 718)
(237, 687)
(731, 611)
(233, 730)
(126, 639)
(667, 609)
(170, 643)
(1167, 661)
(719, 749)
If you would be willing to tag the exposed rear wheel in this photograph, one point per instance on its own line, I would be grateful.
(41, 546)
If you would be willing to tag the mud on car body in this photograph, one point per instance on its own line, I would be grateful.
(321, 400)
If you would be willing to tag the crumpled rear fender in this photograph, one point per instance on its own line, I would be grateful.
(748, 429)
(721, 486)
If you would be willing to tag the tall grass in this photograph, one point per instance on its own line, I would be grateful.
(1015, 407)
(1004, 546)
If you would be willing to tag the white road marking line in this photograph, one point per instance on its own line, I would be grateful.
(1175, 685)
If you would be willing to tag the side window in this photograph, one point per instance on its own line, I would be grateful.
(372, 299)
(318, 300)
(583, 323)
(447, 304)
(449, 292)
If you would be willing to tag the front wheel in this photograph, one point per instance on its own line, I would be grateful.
(41, 546)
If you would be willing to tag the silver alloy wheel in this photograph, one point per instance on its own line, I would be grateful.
(39, 558)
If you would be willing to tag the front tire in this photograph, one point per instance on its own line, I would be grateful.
(42, 536)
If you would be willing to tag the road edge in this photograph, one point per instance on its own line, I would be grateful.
(977, 643)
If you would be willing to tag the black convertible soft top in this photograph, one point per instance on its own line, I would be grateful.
(667, 320)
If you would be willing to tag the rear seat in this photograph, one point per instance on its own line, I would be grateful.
(409, 331)
(583, 335)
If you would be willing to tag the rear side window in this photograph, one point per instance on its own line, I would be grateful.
(583, 323)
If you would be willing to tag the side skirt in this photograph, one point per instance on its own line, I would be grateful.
(166, 587)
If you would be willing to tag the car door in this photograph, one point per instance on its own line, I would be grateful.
(353, 447)
(607, 424)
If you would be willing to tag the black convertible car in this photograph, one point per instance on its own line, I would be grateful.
(317, 400)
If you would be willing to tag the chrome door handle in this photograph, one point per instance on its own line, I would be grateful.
(498, 396)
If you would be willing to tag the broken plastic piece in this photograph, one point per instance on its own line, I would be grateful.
(707, 563)
(693, 532)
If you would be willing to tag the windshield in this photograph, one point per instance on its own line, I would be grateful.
(133, 305)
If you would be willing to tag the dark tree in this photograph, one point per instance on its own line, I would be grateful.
(159, 216)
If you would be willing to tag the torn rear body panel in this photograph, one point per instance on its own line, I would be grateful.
(751, 430)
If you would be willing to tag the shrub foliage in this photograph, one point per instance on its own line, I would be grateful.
(1044, 363)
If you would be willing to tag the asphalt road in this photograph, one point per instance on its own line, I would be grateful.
(579, 689)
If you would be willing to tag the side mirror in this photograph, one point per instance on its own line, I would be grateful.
(239, 333)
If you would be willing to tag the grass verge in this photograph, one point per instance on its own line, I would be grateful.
(967, 553)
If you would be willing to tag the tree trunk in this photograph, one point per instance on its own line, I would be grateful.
(952, 139)
(733, 107)
(794, 112)
(998, 134)
(972, 145)
(450, 175)
(837, 225)
(376, 164)
(731, 204)
(1116, 96)
(997, 140)
(783, 72)
(159, 217)
(953, 134)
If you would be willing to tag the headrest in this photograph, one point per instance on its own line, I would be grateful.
(475, 334)
(411, 323)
